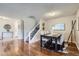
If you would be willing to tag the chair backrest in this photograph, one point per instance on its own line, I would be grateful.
(61, 39)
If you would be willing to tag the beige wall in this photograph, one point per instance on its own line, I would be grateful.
(66, 20)
(77, 31)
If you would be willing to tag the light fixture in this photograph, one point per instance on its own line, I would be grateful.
(52, 13)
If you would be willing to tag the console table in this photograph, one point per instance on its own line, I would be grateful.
(7, 35)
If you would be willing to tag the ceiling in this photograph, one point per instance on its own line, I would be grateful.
(38, 10)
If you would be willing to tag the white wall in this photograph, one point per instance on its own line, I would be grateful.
(66, 20)
(29, 24)
(18, 29)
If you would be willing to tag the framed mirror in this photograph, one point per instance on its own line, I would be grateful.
(7, 27)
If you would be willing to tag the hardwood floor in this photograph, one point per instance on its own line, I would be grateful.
(35, 50)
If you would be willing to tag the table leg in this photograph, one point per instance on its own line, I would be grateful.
(56, 44)
(40, 41)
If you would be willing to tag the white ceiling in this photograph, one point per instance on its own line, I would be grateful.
(22, 11)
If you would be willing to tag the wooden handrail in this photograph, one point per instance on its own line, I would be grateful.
(71, 30)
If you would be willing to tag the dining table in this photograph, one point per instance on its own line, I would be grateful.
(52, 37)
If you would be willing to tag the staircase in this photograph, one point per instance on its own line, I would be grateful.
(32, 33)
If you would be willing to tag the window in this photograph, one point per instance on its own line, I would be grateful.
(58, 27)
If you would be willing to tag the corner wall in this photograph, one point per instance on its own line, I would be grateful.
(77, 30)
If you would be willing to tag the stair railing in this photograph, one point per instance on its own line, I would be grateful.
(32, 33)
